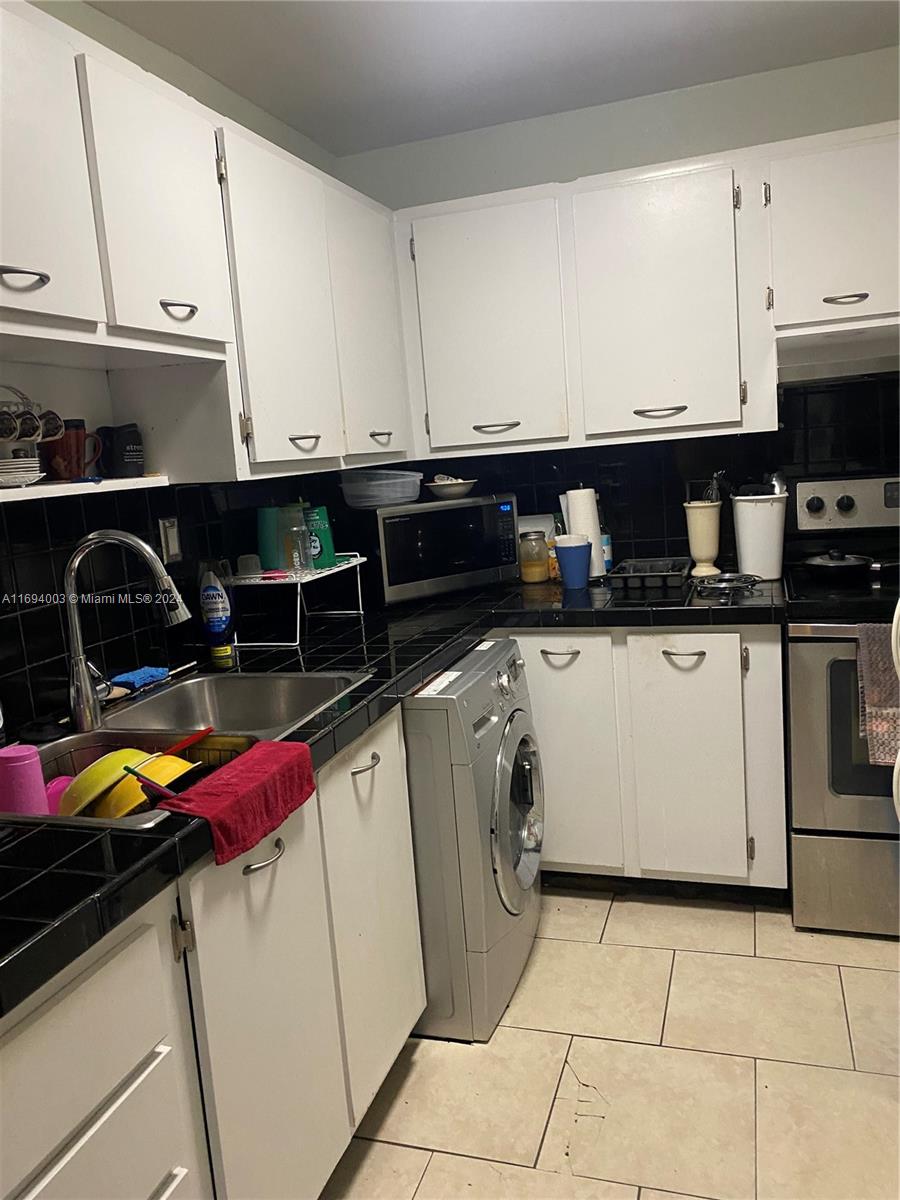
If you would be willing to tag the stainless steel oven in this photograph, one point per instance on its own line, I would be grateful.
(427, 549)
(844, 827)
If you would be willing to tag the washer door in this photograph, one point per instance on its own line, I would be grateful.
(517, 813)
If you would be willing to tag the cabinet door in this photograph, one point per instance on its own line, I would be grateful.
(159, 210)
(657, 303)
(372, 886)
(834, 234)
(490, 307)
(570, 682)
(367, 325)
(275, 214)
(687, 718)
(48, 247)
(265, 1004)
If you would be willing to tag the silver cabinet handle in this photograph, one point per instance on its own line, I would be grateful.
(497, 427)
(294, 438)
(168, 305)
(267, 862)
(41, 278)
(562, 653)
(376, 759)
(381, 433)
(684, 653)
(847, 298)
(657, 414)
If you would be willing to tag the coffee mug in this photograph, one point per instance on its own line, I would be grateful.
(9, 426)
(29, 427)
(52, 425)
(66, 458)
(122, 455)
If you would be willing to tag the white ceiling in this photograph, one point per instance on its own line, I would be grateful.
(359, 74)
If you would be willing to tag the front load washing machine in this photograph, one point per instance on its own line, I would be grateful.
(477, 801)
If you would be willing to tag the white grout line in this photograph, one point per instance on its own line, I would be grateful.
(847, 1018)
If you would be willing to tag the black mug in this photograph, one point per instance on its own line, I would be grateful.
(123, 451)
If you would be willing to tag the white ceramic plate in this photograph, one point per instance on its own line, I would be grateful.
(11, 481)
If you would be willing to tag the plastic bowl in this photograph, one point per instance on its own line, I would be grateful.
(364, 488)
(452, 491)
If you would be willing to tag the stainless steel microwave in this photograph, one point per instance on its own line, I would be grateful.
(427, 549)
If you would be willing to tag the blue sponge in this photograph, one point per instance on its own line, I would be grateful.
(132, 680)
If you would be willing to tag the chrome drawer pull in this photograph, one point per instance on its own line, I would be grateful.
(168, 1185)
(562, 653)
(41, 278)
(376, 759)
(656, 414)
(381, 433)
(847, 298)
(294, 438)
(168, 305)
(497, 427)
(684, 653)
(267, 862)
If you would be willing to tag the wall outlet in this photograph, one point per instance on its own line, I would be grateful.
(170, 539)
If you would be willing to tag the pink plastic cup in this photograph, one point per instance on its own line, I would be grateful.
(22, 781)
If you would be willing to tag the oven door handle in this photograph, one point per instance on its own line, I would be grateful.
(848, 633)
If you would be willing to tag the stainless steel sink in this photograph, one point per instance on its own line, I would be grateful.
(260, 705)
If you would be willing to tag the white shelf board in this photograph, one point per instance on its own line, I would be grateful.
(47, 491)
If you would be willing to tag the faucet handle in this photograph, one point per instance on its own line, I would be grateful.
(102, 686)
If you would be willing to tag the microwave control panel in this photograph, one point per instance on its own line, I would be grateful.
(848, 503)
(507, 532)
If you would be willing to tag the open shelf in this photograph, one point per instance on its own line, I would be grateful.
(307, 575)
(46, 491)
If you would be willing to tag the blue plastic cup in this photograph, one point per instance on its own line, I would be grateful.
(574, 565)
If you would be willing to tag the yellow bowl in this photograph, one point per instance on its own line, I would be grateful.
(128, 794)
(90, 784)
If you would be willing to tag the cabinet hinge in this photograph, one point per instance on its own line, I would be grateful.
(245, 425)
(412, 248)
(736, 191)
(743, 391)
(751, 849)
(221, 170)
(427, 425)
(767, 195)
(770, 299)
(183, 940)
(745, 658)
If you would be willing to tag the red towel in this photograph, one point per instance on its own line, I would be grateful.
(248, 798)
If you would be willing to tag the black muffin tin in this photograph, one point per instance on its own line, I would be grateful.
(638, 574)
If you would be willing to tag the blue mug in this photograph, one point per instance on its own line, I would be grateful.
(574, 565)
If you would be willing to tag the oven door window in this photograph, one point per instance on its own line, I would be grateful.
(849, 771)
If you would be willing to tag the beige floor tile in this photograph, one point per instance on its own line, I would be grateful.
(825, 1135)
(490, 1100)
(649, 1194)
(776, 937)
(597, 991)
(873, 1008)
(376, 1171)
(655, 1117)
(680, 924)
(573, 916)
(449, 1178)
(760, 1007)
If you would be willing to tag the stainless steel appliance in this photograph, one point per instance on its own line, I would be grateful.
(427, 549)
(844, 830)
(476, 795)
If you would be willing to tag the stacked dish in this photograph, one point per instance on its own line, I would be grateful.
(19, 472)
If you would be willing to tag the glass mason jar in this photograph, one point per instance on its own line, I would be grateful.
(534, 557)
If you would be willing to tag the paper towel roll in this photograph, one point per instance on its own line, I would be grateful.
(584, 518)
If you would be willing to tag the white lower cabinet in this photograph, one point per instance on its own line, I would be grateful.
(266, 1015)
(687, 736)
(570, 682)
(364, 806)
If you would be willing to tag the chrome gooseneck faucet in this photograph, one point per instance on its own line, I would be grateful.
(84, 704)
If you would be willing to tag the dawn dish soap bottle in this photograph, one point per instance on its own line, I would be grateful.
(218, 626)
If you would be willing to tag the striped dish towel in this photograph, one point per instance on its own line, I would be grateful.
(879, 695)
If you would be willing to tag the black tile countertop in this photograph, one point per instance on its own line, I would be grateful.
(63, 887)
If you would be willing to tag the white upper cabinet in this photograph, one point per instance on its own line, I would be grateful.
(687, 714)
(367, 325)
(657, 303)
(48, 248)
(158, 208)
(834, 233)
(490, 306)
(275, 217)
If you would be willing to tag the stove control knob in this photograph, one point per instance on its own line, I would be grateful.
(845, 504)
(815, 504)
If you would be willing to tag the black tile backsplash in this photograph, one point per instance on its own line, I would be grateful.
(841, 427)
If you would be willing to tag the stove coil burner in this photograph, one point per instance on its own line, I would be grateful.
(727, 586)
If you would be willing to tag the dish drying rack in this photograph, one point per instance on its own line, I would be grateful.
(299, 579)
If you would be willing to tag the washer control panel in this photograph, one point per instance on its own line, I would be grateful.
(848, 503)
